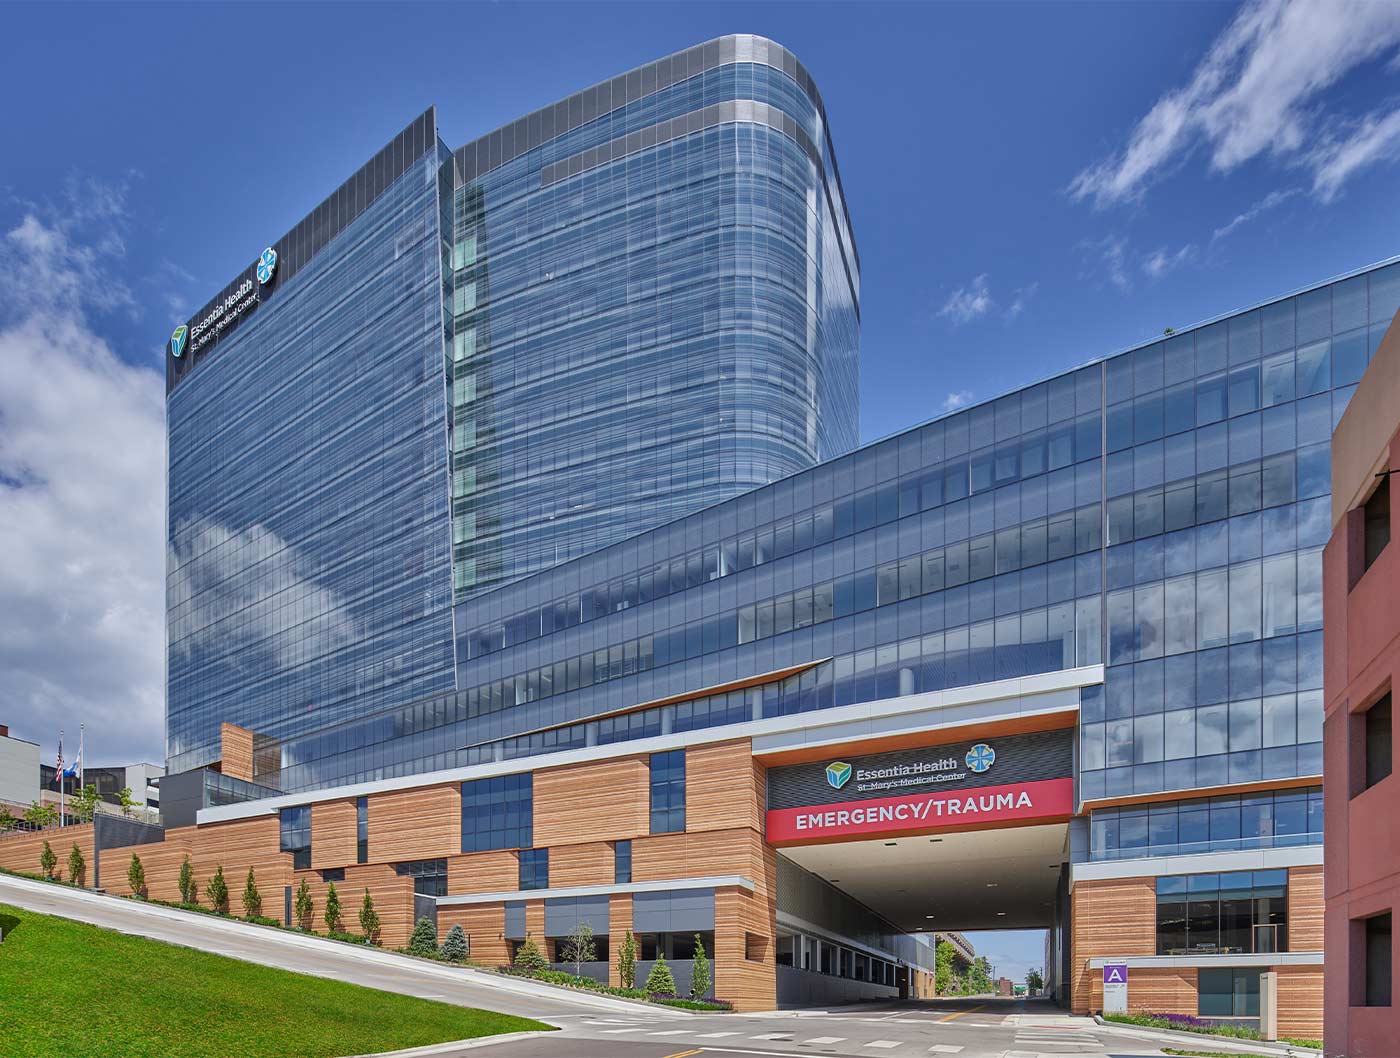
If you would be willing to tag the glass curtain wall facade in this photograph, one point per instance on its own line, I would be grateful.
(656, 308)
(308, 563)
(1161, 512)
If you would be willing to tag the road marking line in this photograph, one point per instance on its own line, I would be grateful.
(960, 1013)
(944, 1048)
(684, 1054)
(672, 1032)
(883, 1043)
(773, 1036)
(715, 1035)
(825, 1039)
(609, 1032)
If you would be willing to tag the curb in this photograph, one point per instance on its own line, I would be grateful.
(453, 1046)
(1174, 1036)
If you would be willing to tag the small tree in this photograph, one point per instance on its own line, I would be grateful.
(627, 961)
(8, 821)
(1035, 982)
(48, 862)
(76, 865)
(943, 967)
(189, 888)
(331, 914)
(217, 890)
(303, 906)
(37, 815)
(700, 973)
(369, 918)
(529, 956)
(660, 981)
(424, 938)
(136, 876)
(126, 801)
(252, 899)
(84, 803)
(579, 948)
(454, 947)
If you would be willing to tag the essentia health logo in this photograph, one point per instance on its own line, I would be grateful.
(267, 265)
(838, 774)
(177, 341)
(980, 758)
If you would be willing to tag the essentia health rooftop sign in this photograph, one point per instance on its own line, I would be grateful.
(1019, 778)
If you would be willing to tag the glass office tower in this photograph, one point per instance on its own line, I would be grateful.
(656, 296)
(1160, 512)
(464, 367)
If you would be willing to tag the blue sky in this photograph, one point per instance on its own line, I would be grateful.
(1031, 186)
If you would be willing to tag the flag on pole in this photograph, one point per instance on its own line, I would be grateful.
(58, 762)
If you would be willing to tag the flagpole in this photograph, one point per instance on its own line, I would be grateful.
(60, 777)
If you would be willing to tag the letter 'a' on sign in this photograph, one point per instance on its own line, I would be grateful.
(838, 774)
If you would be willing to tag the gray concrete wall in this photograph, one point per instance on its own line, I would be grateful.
(19, 771)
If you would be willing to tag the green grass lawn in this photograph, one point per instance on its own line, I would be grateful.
(75, 989)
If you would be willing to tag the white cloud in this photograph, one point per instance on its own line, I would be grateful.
(1376, 138)
(1270, 201)
(959, 399)
(1111, 255)
(1020, 298)
(82, 493)
(1159, 262)
(1257, 91)
(968, 302)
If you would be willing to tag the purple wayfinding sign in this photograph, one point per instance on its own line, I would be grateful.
(1115, 973)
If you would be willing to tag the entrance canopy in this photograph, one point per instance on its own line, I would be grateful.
(984, 879)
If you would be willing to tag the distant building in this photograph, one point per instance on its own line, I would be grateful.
(143, 780)
(1005, 986)
(1361, 618)
(19, 770)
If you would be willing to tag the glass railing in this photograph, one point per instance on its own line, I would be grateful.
(1189, 848)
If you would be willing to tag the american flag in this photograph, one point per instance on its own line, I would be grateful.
(58, 763)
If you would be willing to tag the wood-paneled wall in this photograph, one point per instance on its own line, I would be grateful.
(592, 863)
(1305, 908)
(392, 896)
(1300, 1001)
(1111, 917)
(21, 851)
(484, 925)
(160, 861)
(484, 872)
(236, 751)
(744, 963)
(723, 787)
(333, 834)
(619, 922)
(418, 824)
(598, 801)
(657, 857)
(236, 846)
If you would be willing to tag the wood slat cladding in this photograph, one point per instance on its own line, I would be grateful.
(619, 922)
(333, 834)
(534, 922)
(745, 963)
(418, 824)
(659, 857)
(723, 789)
(160, 861)
(1111, 917)
(1300, 1001)
(599, 801)
(587, 864)
(236, 751)
(1305, 908)
(21, 852)
(236, 846)
(392, 895)
(1165, 990)
(484, 872)
(484, 926)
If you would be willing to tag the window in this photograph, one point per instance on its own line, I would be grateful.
(1377, 983)
(429, 876)
(295, 826)
(668, 792)
(1377, 522)
(498, 813)
(1228, 993)
(534, 868)
(362, 830)
(1242, 911)
(622, 862)
(1378, 740)
(333, 874)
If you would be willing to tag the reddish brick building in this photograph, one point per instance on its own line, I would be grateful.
(1361, 601)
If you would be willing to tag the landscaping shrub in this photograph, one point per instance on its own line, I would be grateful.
(136, 876)
(700, 973)
(216, 892)
(529, 957)
(369, 919)
(303, 907)
(252, 899)
(331, 915)
(48, 862)
(188, 887)
(76, 865)
(660, 981)
(424, 939)
(1185, 1023)
(627, 961)
(454, 947)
